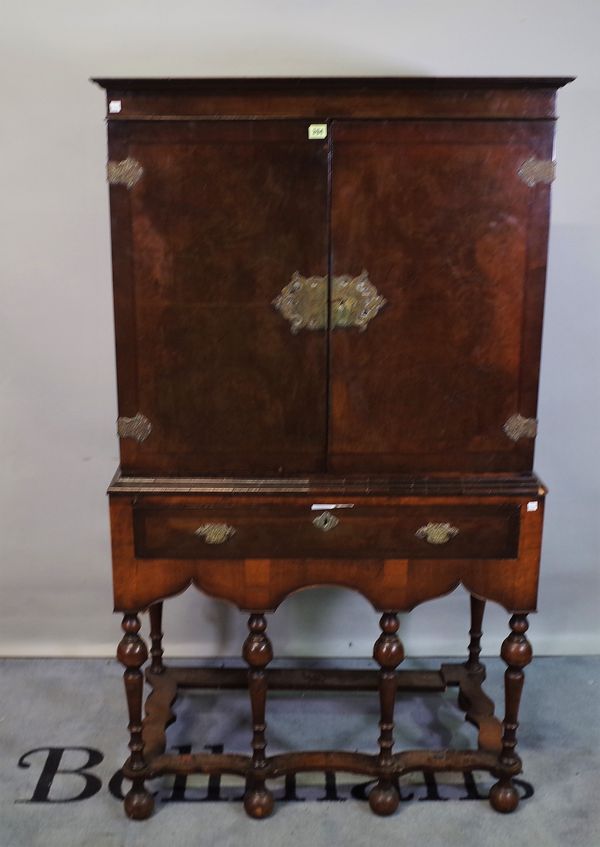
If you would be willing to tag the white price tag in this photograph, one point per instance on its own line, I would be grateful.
(317, 132)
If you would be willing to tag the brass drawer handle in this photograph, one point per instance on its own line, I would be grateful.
(325, 522)
(215, 533)
(437, 533)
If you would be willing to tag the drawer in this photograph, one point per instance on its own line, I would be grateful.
(235, 531)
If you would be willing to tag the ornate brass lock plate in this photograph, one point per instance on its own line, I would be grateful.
(354, 302)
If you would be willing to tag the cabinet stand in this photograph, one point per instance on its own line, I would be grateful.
(496, 740)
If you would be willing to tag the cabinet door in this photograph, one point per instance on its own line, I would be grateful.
(454, 239)
(221, 217)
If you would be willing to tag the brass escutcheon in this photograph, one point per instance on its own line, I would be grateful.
(437, 533)
(354, 302)
(325, 521)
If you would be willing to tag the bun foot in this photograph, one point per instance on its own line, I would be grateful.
(138, 803)
(258, 802)
(504, 797)
(384, 799)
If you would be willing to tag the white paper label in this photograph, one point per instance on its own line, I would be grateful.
(316, 507)
(114, 106)
(317, 132)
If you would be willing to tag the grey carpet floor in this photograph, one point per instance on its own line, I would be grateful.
(60, 715)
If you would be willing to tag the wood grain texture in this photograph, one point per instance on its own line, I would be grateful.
(449, 234)
(224, 215)
(228, 211)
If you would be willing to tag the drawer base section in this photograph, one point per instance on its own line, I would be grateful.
(397, 550)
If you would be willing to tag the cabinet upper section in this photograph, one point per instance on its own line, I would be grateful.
(329, 275)
(500, 98)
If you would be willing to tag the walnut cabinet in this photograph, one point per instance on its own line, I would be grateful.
(328, 315)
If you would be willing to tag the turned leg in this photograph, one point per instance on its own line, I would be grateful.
(516, 652)
(132, 653)
(257, 652)
(473, 665)
(388, 653)
(156, 635)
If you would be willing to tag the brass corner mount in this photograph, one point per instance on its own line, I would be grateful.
(138, 427)
(517, 427)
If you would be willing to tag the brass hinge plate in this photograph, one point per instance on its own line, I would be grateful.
(517, 427)
(533, 171)
(138, 428)
(127, 172)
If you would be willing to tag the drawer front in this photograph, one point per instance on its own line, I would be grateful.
(280, 532)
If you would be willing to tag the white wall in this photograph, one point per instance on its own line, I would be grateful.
(57, 444)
